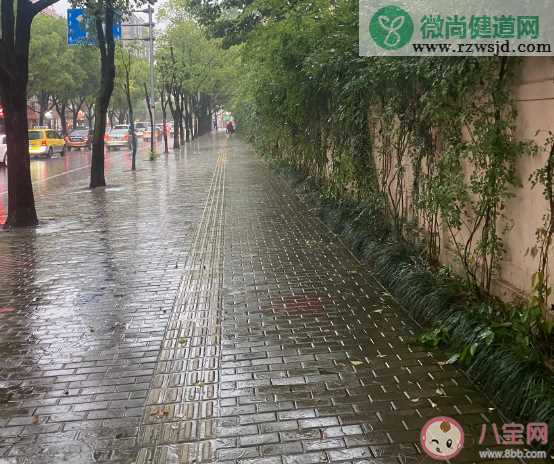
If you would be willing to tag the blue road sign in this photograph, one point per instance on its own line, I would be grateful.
(80, 28)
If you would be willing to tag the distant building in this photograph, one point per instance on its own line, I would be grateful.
(134, 33)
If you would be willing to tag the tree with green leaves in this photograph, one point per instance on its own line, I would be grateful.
(168, 77)
(60, 75)
(48, 44)
(128, 56)
(82, 63)
(131, 72)
(104, 14)
(229, 20)
(194, 69)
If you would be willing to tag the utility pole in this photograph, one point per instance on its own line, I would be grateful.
(151, 62)
(152, 106)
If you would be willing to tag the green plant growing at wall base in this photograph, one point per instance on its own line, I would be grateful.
(481, 335)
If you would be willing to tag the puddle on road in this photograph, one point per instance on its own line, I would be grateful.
(53, 225)
(78, 191)
(71, 451)
(87, 190)
(114, 188)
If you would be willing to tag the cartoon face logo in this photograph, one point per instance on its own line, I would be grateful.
(442, 438)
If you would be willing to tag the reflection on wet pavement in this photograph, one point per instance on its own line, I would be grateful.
(195, 311)
(91, 290)
(48, 173)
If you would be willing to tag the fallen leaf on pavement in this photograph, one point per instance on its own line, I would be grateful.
(159, 412)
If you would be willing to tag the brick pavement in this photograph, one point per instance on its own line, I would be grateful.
(197, 312)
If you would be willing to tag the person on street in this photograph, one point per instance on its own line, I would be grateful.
(230, 128)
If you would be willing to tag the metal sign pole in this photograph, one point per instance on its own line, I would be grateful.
(151, 60)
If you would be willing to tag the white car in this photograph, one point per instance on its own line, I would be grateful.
(140, 127)
(3, 151)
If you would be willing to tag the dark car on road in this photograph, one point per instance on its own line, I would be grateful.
(78, 138)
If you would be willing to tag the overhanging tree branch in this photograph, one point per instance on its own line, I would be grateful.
(40, 5)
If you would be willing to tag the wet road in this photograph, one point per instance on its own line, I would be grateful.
(73, 167)
(195, 311)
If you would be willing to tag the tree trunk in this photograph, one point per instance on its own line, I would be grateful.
(204, 119)
(75, 108)
(127, 86)
(61, 109)
(132, 132)
(193, 116)
(176, 130)
(21, 202)
(185, 118)
(175, 113)
(90, 115)
(164, 119)
(21, 210)
(183, 135)
(107, 77)
(13, 91)
(43, 98)
(182, 119)
(74, 116)
(152, 128)
(182, 132)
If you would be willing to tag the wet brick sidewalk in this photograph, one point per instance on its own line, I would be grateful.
(197, 312)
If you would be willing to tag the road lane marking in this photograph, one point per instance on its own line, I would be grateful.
(41, 181)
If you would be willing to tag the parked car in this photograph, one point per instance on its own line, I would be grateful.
(78, 138)
(140, 127)
(46, 142)
(117, 138)
(148, 133)
(3, 151)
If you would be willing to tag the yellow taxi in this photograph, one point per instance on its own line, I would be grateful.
(46, 142)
